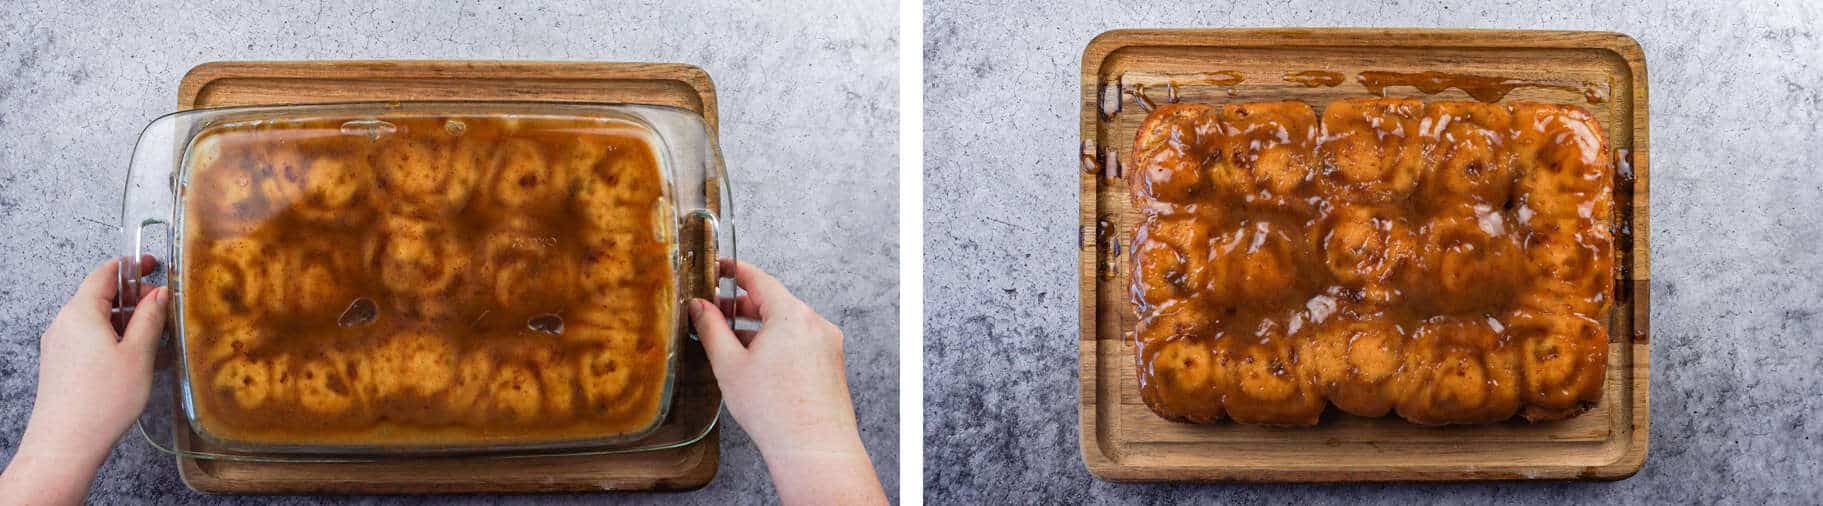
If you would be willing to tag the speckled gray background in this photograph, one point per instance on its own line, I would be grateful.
(808, 119)
(1736, 97)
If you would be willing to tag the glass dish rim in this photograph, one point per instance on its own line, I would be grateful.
(717, 206)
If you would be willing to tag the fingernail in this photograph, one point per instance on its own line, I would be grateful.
(164, 295)
(696, 308)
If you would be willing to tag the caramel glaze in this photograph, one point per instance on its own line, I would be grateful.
(1483, 88)
(1221, 78)
(1314, 78)
(1450, 262)
(505, 277)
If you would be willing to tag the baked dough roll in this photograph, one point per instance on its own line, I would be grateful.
(429, 178)
(525, 264)
(284, 381)
(1186, 321)
(413, 363)
(1178, 157)
(618, 191)
(1274, 143)
(336, 189)
(234, 281)
(1564, 359)
(615, 323)
(1265, 261)
(578, 156)
(312, 278)
(1354, 361)
(1171, 257)
(226, 338)
(1469, 260)
(230, 202)
(1180, 378)
(248, 382)
(1177, 318)
(557, 380)
(322, 389)
(1562, 159)
(1467, 153)
(245, 381)
(1366, 247)
(1369, 149)
(524, 180)
(379, 371)
(468, 391)
(609, 261)
(1266, 387)
(616, 384)
(1571, 265)
(604, 375)
(1458, 371)
(418, 258)
(517, 395)
(280, 169)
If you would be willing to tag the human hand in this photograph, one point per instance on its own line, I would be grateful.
(93, 381)
(785, 384)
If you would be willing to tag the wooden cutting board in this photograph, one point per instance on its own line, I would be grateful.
(224, 84)
(1122, 440)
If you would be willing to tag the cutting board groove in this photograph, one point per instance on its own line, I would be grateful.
(224, 84)
(1122, 440)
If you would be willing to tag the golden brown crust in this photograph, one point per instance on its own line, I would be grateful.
(1354, 361)
(1273, 145)
(1183, 146)
(1563, 357)
(1468, 154)
(1450, 262)
(1370, 150)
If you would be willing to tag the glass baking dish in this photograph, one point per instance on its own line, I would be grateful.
(406, 242)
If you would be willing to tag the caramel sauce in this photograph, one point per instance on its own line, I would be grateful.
(1110, 98)
(1315, 78)
(1138, 92)
(426, 281)
(1228, 78)
(1448, 262)
(1483, 88)
(1222, 78)
(1594, 94)
(1090, 165)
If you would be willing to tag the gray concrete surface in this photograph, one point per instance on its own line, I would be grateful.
(808, 110)
(1736, 97)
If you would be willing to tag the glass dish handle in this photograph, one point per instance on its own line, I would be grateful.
(149, 199)
(130, 282)
(703, 238)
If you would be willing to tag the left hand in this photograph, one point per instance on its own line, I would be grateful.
(93, 381)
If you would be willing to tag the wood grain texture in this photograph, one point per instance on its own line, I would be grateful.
(223, 84)
(1122, 440)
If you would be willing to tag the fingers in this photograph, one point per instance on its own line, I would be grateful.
(147, 264)
(102, 284)
(98, 289)
(743, 306)
(715, 332)
(147, 324)
(765, 291)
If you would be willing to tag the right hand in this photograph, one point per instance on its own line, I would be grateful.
(785, 385)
